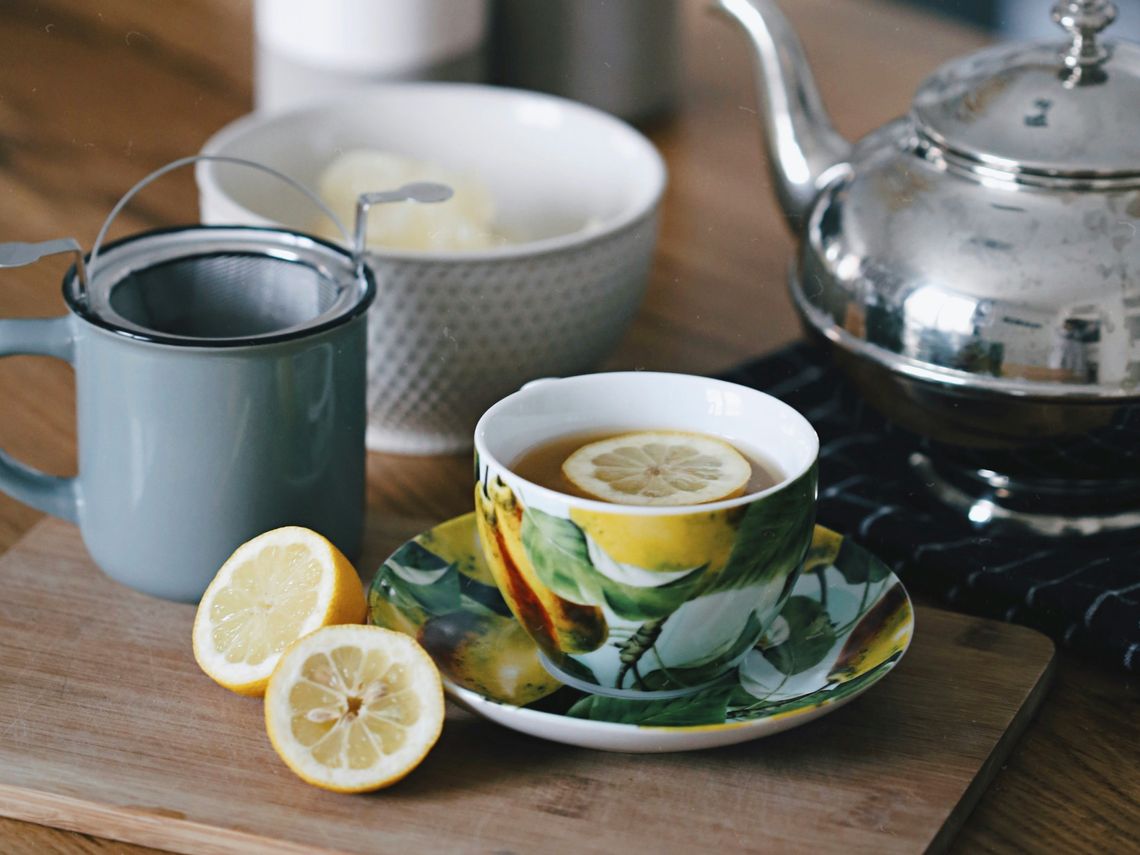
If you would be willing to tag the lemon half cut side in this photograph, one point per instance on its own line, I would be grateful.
(354, 708)
(274, 589)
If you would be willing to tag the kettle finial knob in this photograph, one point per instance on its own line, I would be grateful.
(1084, 19)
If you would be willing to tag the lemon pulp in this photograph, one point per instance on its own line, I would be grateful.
(271, 591)
(354, 708)
(261, 611)
(658, 468)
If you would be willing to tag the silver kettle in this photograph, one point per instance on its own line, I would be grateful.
(975, 264)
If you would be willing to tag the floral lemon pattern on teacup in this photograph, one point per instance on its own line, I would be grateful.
(645, 603)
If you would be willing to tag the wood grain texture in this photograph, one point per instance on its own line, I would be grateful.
(94, 95)
(107, 726)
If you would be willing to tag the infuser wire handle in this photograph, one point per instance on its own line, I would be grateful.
(417, 191)
(178, 164)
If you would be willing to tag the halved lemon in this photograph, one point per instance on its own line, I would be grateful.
(354, 708)
(658, 468)
(274, 589)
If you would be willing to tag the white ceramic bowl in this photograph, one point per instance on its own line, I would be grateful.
(451, 333)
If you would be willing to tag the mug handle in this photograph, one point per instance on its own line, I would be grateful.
(38, 337)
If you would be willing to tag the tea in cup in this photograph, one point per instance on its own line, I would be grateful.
(644, 528)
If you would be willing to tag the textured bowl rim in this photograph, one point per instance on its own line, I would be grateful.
(205, 172)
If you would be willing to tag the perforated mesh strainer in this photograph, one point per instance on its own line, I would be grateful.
(228, 295)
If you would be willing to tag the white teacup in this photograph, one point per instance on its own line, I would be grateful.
(633, 600)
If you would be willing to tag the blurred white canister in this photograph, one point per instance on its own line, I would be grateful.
(306, 50)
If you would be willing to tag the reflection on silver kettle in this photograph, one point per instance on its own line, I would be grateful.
(975, 264)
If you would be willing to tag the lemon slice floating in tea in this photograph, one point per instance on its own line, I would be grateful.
(658, 468)
(271, 591)
(354, 708)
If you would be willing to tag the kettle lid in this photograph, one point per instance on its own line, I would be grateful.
(1066, 110)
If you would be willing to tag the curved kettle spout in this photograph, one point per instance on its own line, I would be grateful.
(802, 144)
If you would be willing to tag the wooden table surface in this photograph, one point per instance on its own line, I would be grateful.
(95, 95)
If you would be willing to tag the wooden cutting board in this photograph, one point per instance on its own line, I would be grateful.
(108, 727)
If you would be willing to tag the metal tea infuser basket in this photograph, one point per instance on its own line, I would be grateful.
(217, 284)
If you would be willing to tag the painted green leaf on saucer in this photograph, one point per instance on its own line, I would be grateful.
(847, 623)
(706, 707)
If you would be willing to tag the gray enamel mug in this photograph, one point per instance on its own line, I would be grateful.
(220, 382)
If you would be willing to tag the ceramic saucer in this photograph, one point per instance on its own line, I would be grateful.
(848, 622)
